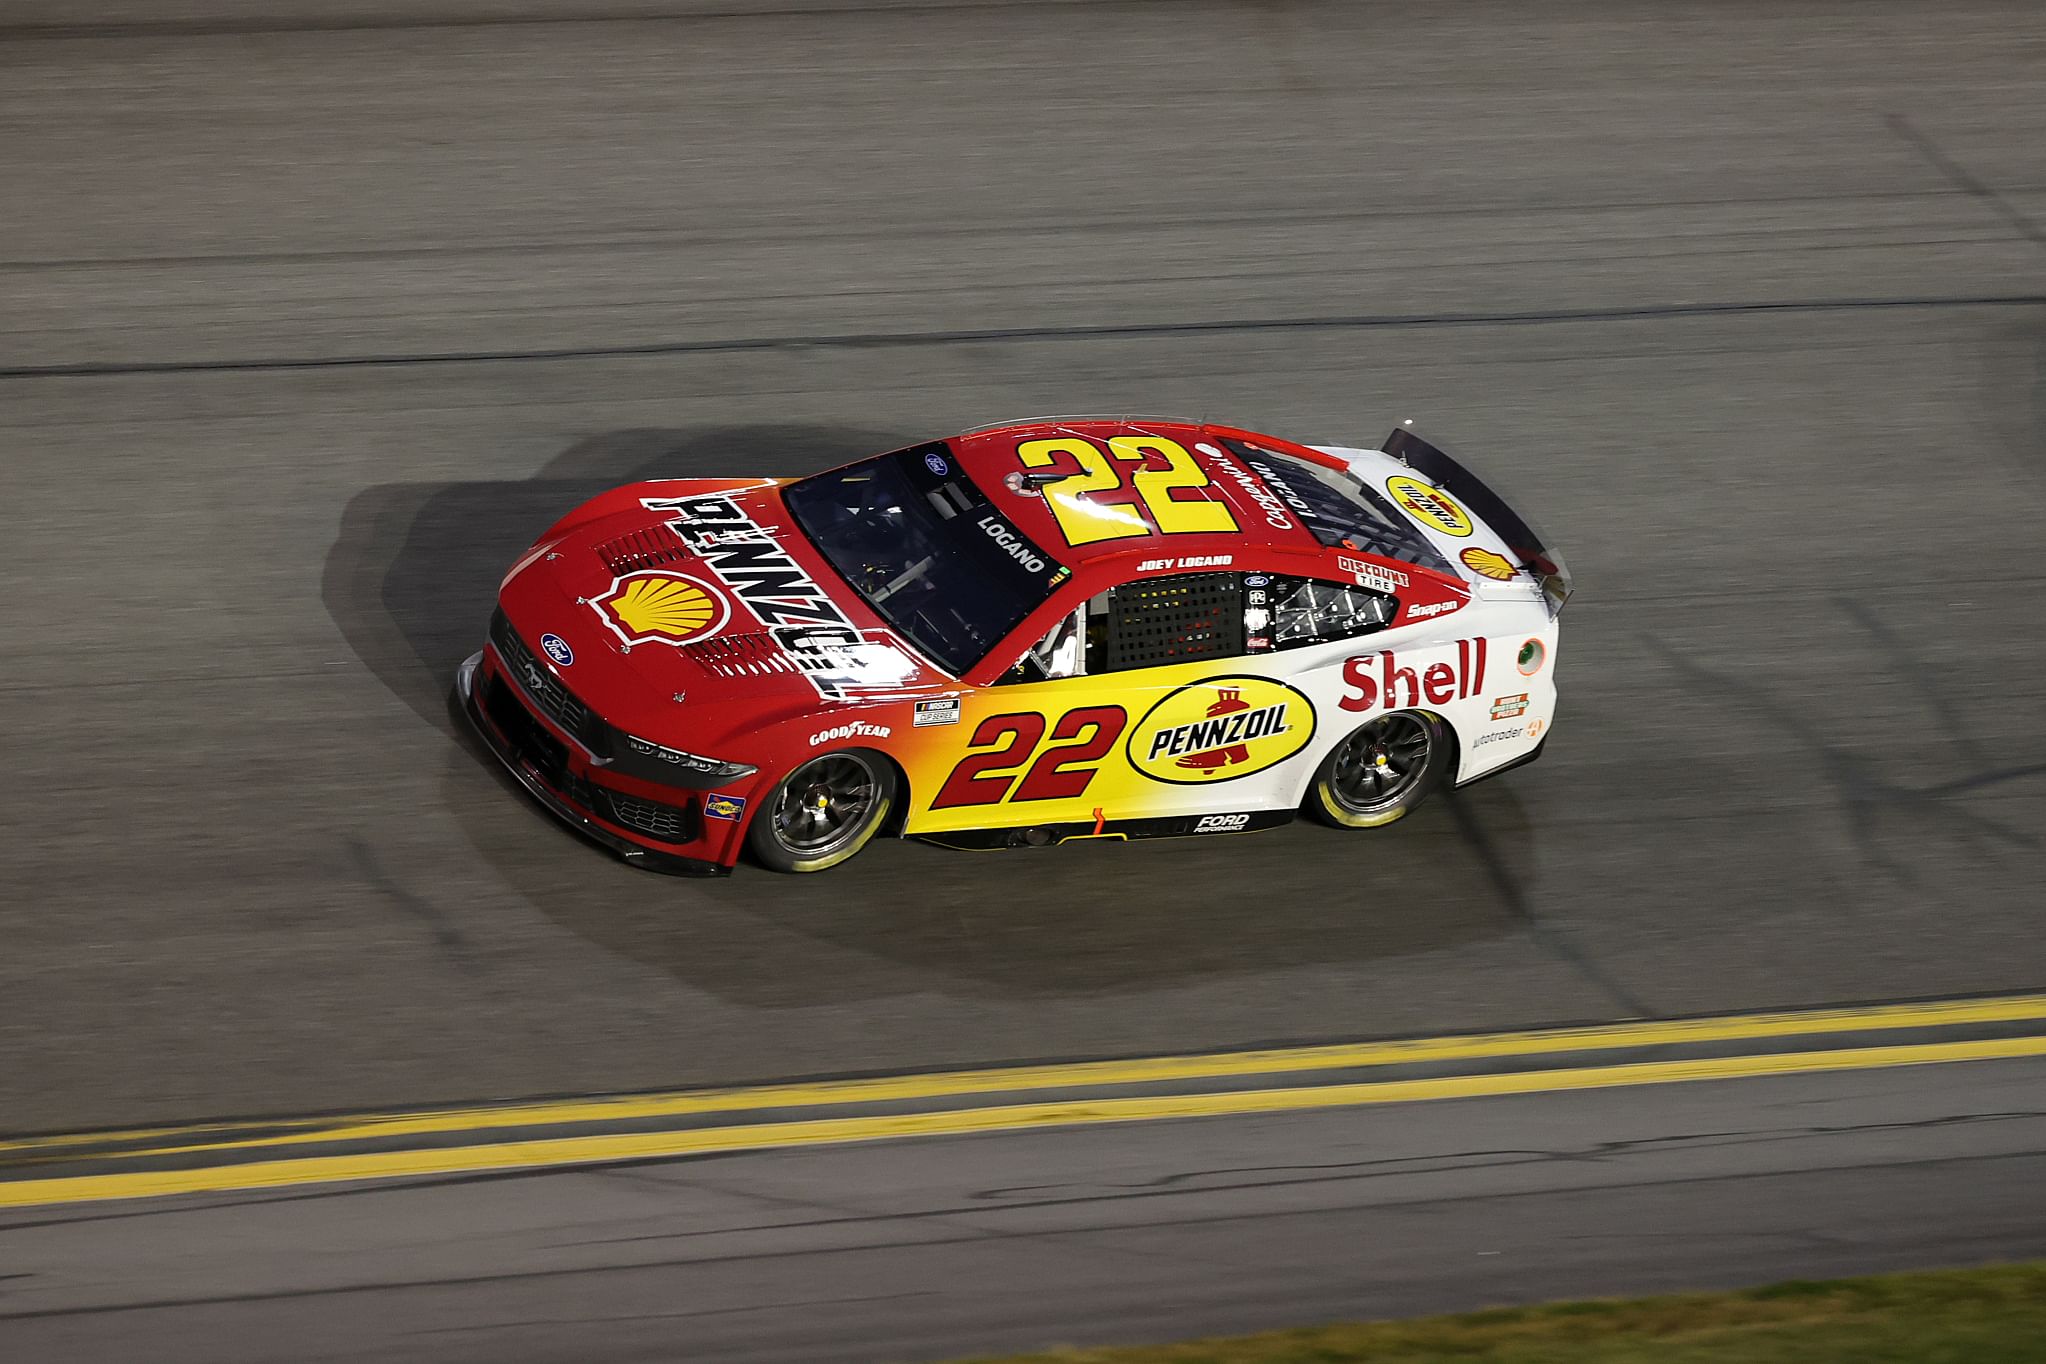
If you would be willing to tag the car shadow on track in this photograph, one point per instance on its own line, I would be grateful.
(410, 582)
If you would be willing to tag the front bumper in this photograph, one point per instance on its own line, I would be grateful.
(522, 766)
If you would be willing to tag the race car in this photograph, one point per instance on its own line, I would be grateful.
(1057, 629)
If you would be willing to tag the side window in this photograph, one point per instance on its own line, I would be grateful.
(1190, 616)
(1288, 613)
(1143, 624)
(1156, 621)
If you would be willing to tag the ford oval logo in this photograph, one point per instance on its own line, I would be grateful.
(556, 648)
(935, 462)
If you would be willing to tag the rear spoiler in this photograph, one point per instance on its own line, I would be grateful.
(1528, 545)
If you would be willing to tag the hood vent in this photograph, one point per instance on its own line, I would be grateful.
(652, 547)
(751, 654)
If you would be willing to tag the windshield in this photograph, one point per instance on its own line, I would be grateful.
(927, 550)
(1340, 510)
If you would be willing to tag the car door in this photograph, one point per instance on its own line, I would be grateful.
(1155, 705)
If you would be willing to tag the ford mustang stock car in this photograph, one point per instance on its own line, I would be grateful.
(1058, 629)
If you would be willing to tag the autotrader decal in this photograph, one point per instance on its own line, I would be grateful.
(1430, 506)
(1220, 729)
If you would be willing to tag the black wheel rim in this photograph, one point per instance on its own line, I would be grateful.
(1381, 764)
(825, 805)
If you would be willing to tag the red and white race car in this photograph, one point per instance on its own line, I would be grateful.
(1056, 629)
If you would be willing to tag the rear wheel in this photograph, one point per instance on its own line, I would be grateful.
(823, 812)
(1380, 772)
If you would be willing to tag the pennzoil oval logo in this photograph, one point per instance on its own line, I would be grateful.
(1219, 729)
(1430, 506)
(660, 606)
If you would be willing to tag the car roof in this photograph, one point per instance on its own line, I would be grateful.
(996, 459)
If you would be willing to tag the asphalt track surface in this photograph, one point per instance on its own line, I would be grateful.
(935, 1249)
(309, 322)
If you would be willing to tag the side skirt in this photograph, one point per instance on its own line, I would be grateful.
(1045, 835)
(1522, 761)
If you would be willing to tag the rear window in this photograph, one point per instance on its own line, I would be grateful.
(1339, 510)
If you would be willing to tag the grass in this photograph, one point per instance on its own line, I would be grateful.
(1995, 1315)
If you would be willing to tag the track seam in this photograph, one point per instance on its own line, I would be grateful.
(997, 335)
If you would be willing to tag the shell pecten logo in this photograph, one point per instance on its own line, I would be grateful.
(1430, 506)
(1487, 564)
(660, 606)
(1219, 729)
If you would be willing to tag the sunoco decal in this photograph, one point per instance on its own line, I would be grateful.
(659, 606)
(1220, 729)
(1430, 506)
(801, 618)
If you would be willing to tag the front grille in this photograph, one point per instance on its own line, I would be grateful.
(544, 687)
(527, 737)
(638, 549)
(669, 823)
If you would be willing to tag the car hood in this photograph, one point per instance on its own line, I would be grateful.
(701, 594)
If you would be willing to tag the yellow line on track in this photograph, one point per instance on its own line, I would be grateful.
(1024, 1079)
(571, 1151)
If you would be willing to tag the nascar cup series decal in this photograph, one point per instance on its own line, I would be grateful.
(1430, 506)
(1221, 729)
(661, 607)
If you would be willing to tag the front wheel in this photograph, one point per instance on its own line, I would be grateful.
(1380, 772)
(823, 812)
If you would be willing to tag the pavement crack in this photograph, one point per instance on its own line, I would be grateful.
(446, 935)
(1545, 934)
(733, 345)
(1866, 792)
(1964, 179)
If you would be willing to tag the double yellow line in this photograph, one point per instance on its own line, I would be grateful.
(214, 1158)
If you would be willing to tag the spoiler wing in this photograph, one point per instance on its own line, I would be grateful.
(1533, 549)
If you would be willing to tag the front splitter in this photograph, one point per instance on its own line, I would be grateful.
(647, 859)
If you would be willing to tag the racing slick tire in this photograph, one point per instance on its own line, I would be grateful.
(822, 813)
(1381, 771)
